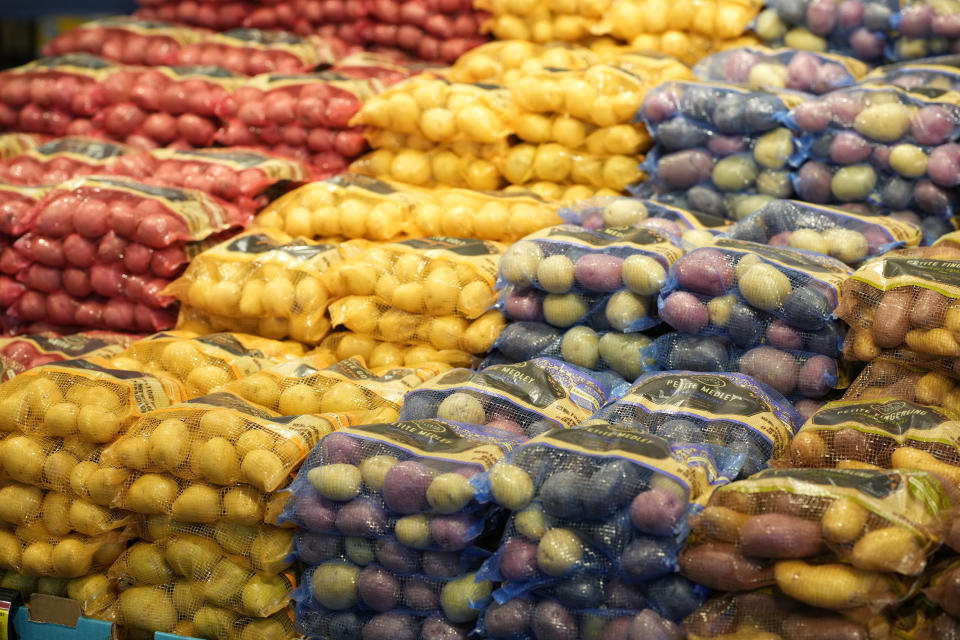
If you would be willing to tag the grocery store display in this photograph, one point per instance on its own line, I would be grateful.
(426, 372)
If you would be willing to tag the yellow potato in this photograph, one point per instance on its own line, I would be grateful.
(152, 493)
(98, 424)
(55, 512)
(243, 505)
(61, 420)
(23, 459)
(263, 469)
(37, 559)
(20, 503)
(148, 609)
(299, 399)
(72, 558)
(197, 503)
(889, 549)
(169, 444)
(218, 462)
(105, 484)
(203, 380)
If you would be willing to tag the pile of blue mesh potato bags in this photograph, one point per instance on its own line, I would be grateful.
(639, 322)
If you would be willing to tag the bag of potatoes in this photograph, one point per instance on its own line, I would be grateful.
(83, 398)
(192, 501)
(32, 550)
(560, 192)
(341, 345)
(348, 205)
(178, 607)
(527, 398)
(48, 463)
(439, 111)
(200, 363)
(222, 439)
(263, 548)
(883, 433)
(369, 316)
(761, 68)
(767, 527)
(61, 514)
(693, 228)
(436, 276)
(306, 386)
(27, 351)
(262, 274)
(904, 300)
(505, 62)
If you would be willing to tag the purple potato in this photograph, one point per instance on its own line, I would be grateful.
(813, 116)
(850, 13)
(719, 565)
(729, 114)
(744, 326)
(763, 111)
(915, 22)
(340, 448)
(932, 199)
(524, 304)
(817, 377)
(866, 45)
(946, 25)
(378, 589)
(610, 487)
(844, 107)
(933, 125)
(599, 272)
(405, 487)
(647, 625)
(419, 595)
(660, 104)
(661, 224)
(684, 312)
(674, 596)
(436, 628)
(695, 353)
(706, 199)
(790, 11)
(876, 17)
(827, 341)
(777, 535)
(813, 182)
(441, 564)
(944, 165)
(897, 193)
(344, 625)
(361, 518)
(807, 308)
(849, 148)
(657, 512)
(583, 591)
(821, 16)
(783, 336)
(552, 621)
(391, 626)
(771, 366)
(807, 407)
(396, 557)
(560, 494)
(645, 559)
(518, 559)
(698, 101)
(737, 65)
(726, 145)
(705, 271)
(315, 548)
(616, 629)
(621, 595)
(680, 133)
(316, 512)
(453, 532)
(684, 169)
(829, 77)
(508, 619)
(801, 70)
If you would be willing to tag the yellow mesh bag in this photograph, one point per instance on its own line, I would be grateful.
(85, 399)
(502, 62)
(32, 550)
(262, 274)
(379, 354)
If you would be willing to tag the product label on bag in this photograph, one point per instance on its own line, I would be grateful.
(885, 273)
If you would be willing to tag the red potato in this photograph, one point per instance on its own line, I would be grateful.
(76, 282)
(79, 251)
(61, 308)
(15, 91)
(55, 218)
(10, 291)
(12, 261)
(118, 315)
(89, 314)
(121, 120)
(8, 117)
(137, 257)
(196, 130)
(111, 248)
(149, 320)
(46, 251)
(41, 278)
(31, 307)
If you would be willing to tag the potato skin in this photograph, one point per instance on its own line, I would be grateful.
(719, 565)
(775, 535)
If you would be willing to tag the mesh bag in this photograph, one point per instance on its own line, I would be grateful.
(65, 158)
(938, 72)
(307, 386)
(693, 228)
(60, 514)
(560, 192)
(126, 40)
(200, 363)
(433, 276)
(351, 206)
(408, 468)
(14, 144)
(265, 549)
(34, 551)
(886, 378)
(941, 588)
(760, 68)
(16, 209)
(791, 373)
(177, 608)
(25, 352)
(768, 529)
(612, 273)
(844, 235)
(222, 440)
(751, 420)
(368, 316)
(255, 51)
(440, 111)
(83, 399)
(265, 275)
(504, 62)
(33, 102)
(591, 506)
(377, 354)
(883, 433)
(905, 301)
(317, 621)
(526, 398)
(580, 346)
(754, 294)
(49, 463)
